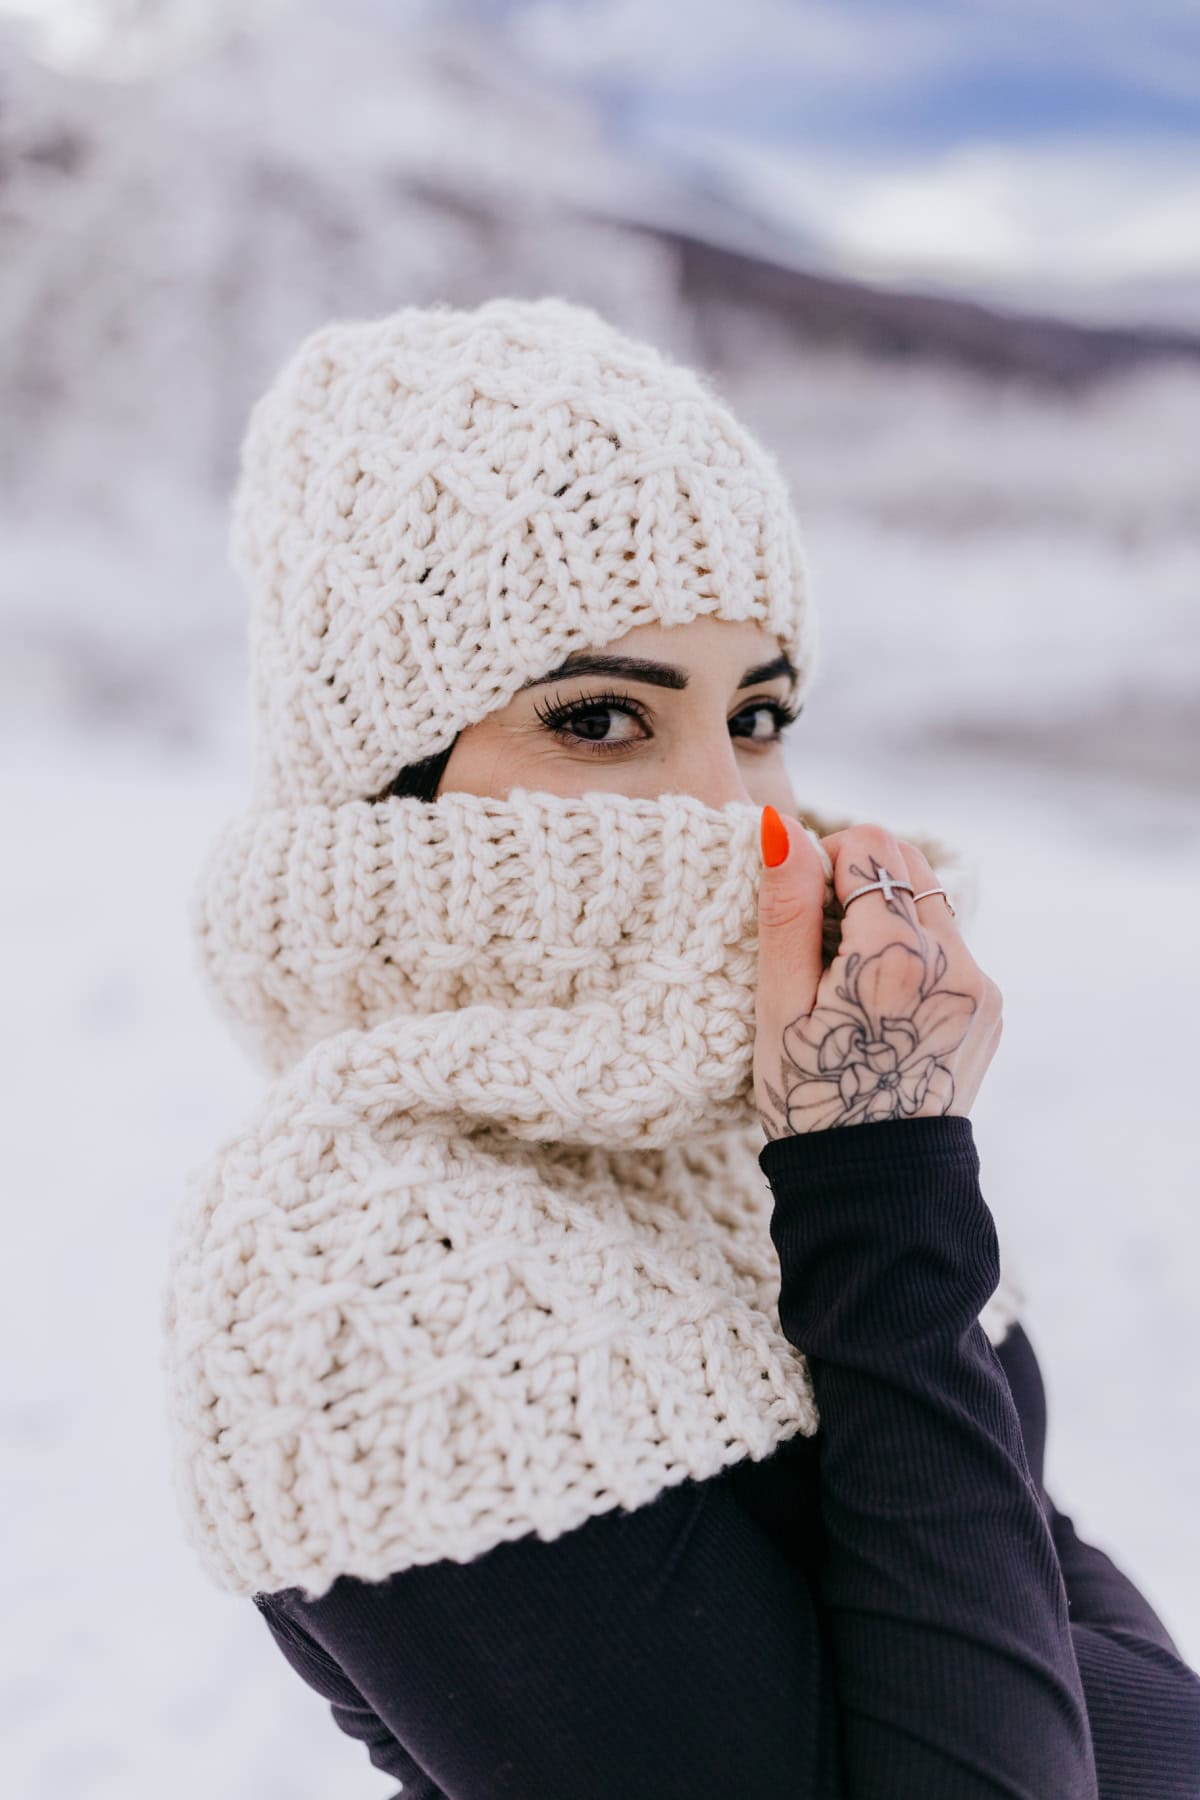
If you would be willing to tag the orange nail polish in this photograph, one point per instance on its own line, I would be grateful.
(774, 838)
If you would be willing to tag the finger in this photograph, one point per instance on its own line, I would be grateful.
(791, 907)
(933, 910)
(863, 855)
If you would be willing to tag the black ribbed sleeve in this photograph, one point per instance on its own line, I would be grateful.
(948, 1611)
(879, 1612)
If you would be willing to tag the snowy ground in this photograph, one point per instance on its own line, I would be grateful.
(984, 660)
(1008, 584)
(129, 1675)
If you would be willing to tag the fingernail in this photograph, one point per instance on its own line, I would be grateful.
(773, 838)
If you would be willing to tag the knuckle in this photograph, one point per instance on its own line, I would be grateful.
(862, 839)
(778, 910)
(914, 854)
(872, 830)
(802, 896)
(969, 978)
(990, 995)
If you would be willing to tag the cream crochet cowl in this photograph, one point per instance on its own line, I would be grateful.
(492, 1253)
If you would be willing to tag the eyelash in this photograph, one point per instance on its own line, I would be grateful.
(556, 716)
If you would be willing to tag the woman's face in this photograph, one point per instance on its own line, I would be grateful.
(703, 718)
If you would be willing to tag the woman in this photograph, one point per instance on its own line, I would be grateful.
(571, 1439)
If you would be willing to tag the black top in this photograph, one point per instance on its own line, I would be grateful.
(891, 1609)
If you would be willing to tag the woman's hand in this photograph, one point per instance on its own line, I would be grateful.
(901, 1025)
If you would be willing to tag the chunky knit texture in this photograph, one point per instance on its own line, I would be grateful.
(503, 1261)
(314, 919)
(492, 1254)
(437, 505)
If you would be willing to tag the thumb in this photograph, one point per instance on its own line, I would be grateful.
(791, 911)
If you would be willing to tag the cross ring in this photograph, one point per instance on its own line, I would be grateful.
(887, 885)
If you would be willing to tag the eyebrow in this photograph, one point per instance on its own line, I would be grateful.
(659, 674)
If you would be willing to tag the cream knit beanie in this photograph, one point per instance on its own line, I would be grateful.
(438, 505)
(433, 508)
(492, 1253)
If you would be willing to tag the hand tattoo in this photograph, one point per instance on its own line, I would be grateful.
(881, 1054)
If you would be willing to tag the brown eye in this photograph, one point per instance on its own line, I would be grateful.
(781, 715)
(575, 722)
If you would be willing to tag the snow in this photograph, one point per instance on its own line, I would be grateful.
(1007, 583)
(119, 1079)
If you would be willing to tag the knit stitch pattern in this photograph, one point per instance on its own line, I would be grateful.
(436, 506)
(309, 920)
(492, 1253)
(503, 1262)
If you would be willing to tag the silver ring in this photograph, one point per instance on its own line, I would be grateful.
(887, 885)
(884, 885)
(944, 895)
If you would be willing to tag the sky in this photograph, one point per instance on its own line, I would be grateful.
(1046, 549)
(1025, 145)
(1019, 147)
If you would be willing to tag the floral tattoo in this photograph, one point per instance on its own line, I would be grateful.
(881, 1054)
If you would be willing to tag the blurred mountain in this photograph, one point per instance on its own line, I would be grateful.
(889, 323)
(164, 242)
(1001, 509)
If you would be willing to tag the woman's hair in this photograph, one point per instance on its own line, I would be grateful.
(419, 780)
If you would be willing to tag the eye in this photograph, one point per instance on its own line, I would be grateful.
(779, 714)
(584, 724)
(577, 722)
